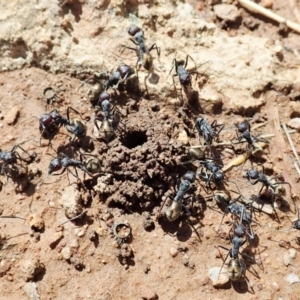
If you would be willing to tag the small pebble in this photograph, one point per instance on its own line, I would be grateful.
(267, 3)
(12, 115)
(173, 251)
(275, 286)
(292, 278)
(66, 253)
(31, 290)
(218, 279)
(30, 268)
(74, 244)
(227, 12)
(292, 253)
(287, 259)
(294, 123)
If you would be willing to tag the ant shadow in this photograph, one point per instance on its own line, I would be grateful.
(154, 78)
(179, 228)
(242, 287)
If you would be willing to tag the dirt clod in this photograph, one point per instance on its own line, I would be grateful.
(31, 268)
(71, 201)
(174, 251)
(66, 253)
(12, 115)
(36, 222)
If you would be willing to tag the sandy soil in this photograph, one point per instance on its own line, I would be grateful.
(122, 246)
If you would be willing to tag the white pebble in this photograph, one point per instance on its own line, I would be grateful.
(292, 278)
(66, 253)
(218, 279)
(173, 252)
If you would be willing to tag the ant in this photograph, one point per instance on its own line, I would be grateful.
(89, 166)
(255, 175)
(11, 157)
(75, 126)
(244, 130)
(296, 224)
(173, 212)
(122, 74)
(52, 122)
(183, 74)
(236, 267)
(106, 129)
(143, 53)
(209, 132)
(244, 225)
(215, 173)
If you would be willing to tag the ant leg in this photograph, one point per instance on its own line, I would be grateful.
(68, 112)
(56, 174)
(154, 46)
(261, 139)
(133, 41)
(3, 172)
(228, 253)
(186, 61)
(163, 205)
(175, 88)
(76, 173)
(173, 64)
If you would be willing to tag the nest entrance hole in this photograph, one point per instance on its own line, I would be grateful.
(132, 139)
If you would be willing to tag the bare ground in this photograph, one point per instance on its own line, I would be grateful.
(245, 77)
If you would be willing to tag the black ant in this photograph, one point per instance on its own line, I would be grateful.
(244, 130)
(173, 212)
(122, 74)
(89, 166)
(52, 122)
(11, 157)
(183, 74)
(236, 267)
(108, 121)
(208, 132)
(143, 52)
(254, 176)
(216, 173)
(75, 126)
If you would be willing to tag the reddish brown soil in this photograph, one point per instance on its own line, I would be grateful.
(142, 166)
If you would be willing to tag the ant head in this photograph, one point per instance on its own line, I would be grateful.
(46, 120)
(243, 126)
(55, 165)
(199, 121)
(124, 71)
(219, 176)
(105, 105)
(252, 174)
(246, 134)
(133, 30)
(104, 96)
(190, 176)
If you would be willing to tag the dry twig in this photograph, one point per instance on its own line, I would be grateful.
(269, 14)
